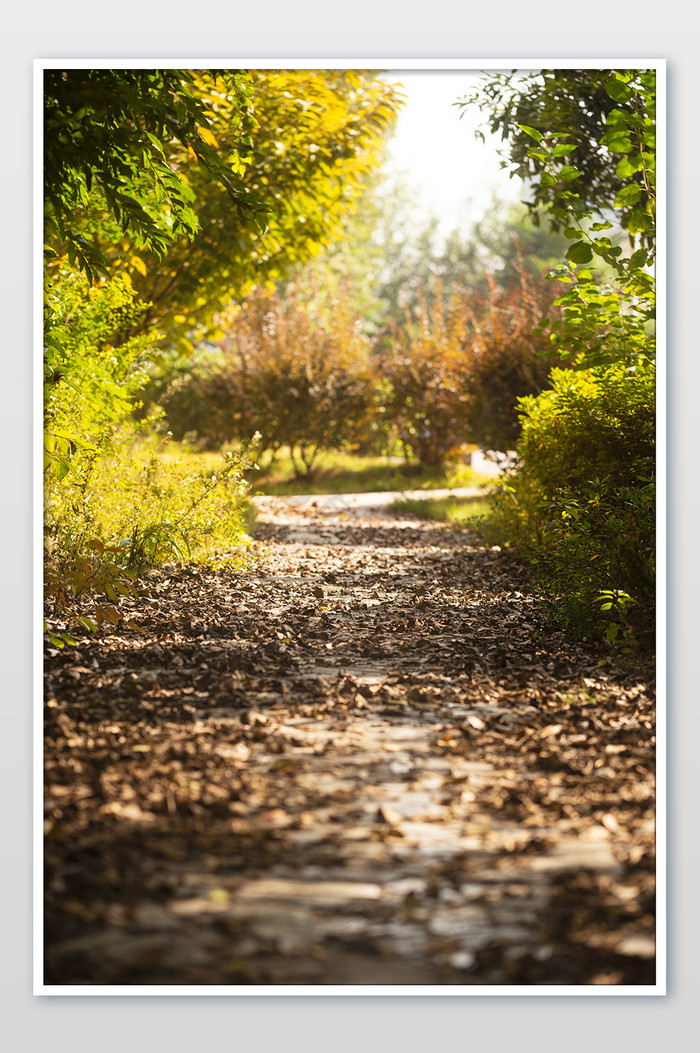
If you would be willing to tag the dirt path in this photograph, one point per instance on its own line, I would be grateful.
(365, 761)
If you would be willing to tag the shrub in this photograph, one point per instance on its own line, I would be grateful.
(511, 355)
(595, 422)
(294, 368)
(113, 503)
(90, 377)
(426, 368)
(581, 505)
(457, 371)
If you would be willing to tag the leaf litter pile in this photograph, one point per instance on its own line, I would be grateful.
(366, 759)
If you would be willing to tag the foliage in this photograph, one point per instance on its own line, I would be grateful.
(411, 252)
(313, 137)
(581, 506)
(603, 324)
(509, 355)
(585, 140)
(457, 371)
(141, 507)
(597, 422)
(594, 132)
(426, 366)
(90, 382)
(191, 186)
(108, 138)
(112, 506)
(356, 256)
(293, 371)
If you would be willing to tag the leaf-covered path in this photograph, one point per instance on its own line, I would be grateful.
(366, 760)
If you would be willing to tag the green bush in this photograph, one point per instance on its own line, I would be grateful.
(581, 505)
(115, 500)
(594, 422)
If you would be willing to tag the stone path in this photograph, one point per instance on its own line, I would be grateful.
(412, 781)
(328, 503)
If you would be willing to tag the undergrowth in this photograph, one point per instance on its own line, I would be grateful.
(111, 520)
(580, 508)
(115, 504)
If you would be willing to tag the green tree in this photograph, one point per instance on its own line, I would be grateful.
(595, 136)
(413, 252)
(586, 142)
(581, 504)
(108, 136)
(316, 137)
(197, 185)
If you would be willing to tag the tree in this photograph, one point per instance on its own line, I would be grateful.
(586, 141)
(413, 252)
(457, 370)
(108, 153)
(581, 505)
(312, 139)
(197, 185)
(593, 128)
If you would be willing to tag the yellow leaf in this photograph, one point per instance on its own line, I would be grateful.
(138, 263)
(208, 137)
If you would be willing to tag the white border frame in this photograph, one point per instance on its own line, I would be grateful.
(391, 66)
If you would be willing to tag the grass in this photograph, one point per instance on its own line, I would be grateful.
(462, 511)
(346, 473)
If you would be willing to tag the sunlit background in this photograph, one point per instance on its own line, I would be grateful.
(455, 175)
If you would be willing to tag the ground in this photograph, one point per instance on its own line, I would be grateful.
(365, 759)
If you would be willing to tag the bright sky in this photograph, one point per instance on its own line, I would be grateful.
(438, 152)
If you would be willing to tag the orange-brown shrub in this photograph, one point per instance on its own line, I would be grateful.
(294, 368)
(457, 371)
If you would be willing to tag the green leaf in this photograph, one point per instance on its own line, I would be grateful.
(629, 195)
(639, 258)
(581, 252)
(87, 623)
(629, 166)
(562, 149)
(617, 142)
(533, 132)
(617, 90)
